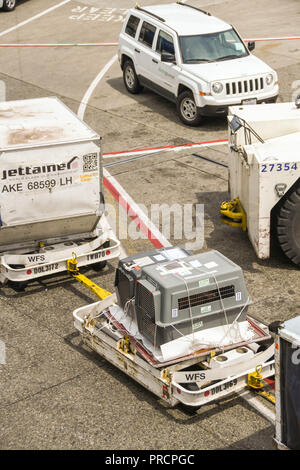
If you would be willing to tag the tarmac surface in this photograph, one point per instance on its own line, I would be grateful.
(54, 392)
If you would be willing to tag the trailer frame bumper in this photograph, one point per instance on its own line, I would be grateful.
(89, 254)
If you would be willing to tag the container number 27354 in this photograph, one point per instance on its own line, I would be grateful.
(268, 167)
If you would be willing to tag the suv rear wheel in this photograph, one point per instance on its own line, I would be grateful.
(187, 109)
(130, 78)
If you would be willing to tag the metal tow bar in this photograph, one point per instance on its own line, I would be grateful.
(233, 214)
(72, 266)
(124, 345)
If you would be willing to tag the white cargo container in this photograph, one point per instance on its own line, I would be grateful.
(51, 198)
(264, 174)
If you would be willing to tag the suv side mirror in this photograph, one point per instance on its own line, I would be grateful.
(251, 45)
(167, 57)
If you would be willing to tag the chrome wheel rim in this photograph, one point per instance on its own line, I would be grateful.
(10, 3)
(188, 109)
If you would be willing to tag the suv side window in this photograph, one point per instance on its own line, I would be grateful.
(132, 25)
(147, 34)
(165, 43)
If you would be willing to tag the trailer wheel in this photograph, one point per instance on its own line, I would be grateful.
(288, 226)
(191, 410)
(101, 265)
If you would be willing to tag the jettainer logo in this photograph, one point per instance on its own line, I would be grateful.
(36, 170)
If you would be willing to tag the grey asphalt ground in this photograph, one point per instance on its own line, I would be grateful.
(55, 393)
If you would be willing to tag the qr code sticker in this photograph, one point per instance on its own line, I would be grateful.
(90, 162)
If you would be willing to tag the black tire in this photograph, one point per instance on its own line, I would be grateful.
(131, 81)
(18, 286)
(187, 109)
(288, 226)
(9, 5)
(99, 266)
(190, 410)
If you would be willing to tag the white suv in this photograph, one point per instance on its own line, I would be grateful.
(7, 5)
(192, 58)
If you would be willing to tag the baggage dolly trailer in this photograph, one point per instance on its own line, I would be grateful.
(51, 192)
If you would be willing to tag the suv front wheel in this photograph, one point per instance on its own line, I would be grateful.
(187, 109)
(130, 78)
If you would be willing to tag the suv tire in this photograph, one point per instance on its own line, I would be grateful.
(187, 109)
(130, 78)
(101, 264)
(9, 5)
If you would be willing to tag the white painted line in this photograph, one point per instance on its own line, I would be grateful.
(93, 85)
(258, 406)
(125, 196)
(39, 15)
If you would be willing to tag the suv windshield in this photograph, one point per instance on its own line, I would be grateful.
(224, 45)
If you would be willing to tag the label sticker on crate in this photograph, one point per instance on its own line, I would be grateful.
(143, 261)
(195, 263)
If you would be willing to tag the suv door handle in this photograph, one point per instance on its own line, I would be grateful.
(155, 61)
(136, 50)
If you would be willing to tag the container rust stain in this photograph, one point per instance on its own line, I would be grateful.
(24, 136)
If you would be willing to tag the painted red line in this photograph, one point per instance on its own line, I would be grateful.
(131, 213)
(168, 147)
